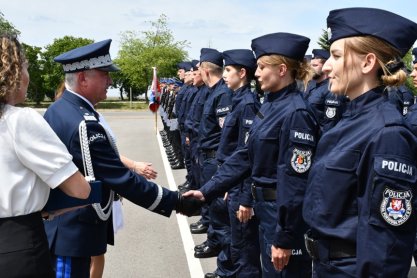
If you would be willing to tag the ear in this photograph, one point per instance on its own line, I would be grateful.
(368, 63)
(282, 69)
(242, 73)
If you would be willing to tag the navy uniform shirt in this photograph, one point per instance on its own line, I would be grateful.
(216, 107)
(402, 98)
(197, 108)
(362, 183)
(179, 97)
(327, 107)
(81, 233)
(278, 154)
(236, 131)
(188, 98)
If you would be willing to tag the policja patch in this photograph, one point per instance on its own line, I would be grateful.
(301, 160)
(396, 206)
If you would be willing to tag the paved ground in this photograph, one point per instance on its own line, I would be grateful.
(152, 246)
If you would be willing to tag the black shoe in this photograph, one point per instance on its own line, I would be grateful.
(200, 229)
(206, 252)
(177, 166)
(184, 184)
(211, 275)
(195, 224)
(201, 246)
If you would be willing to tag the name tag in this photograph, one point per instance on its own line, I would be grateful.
(302, 137)
(395, 168)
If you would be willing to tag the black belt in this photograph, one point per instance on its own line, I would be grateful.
(336, 248)
(263, 193)
(209, 153)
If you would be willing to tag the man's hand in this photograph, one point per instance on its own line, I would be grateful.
(280, 257)
(195, 194)
(188, 206)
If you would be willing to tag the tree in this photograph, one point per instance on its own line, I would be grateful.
(53, 73)
(6, 26)
(408, 61)
(36, 91)
(323, 41)
(140, 52)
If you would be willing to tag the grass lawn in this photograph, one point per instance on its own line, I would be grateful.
(107, 104)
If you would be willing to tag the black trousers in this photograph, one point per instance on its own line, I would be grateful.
(24, 248)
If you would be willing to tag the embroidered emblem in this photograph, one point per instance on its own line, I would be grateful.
(396, 206)
(405, 110)
(330, 112)
(301, 160)
(96, 137)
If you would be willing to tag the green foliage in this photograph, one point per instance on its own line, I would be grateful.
(6, 26)
(54, 74)
(408, 61)
(323, 41)
(139, 52)
(36, 91)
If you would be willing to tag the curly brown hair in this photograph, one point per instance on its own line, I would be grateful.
(11, 61)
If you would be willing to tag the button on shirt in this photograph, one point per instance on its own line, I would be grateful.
(33, 161)
(361, 185)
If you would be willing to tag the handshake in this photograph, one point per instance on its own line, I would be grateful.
(188, 205)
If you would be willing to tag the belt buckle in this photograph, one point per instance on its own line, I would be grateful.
(311, 247)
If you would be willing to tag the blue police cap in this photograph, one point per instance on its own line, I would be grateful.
(170, 81)
(91, 56)
(188, 66)
(242, 57)
(320, 54)
(194, 64)
(182, 65)
(390, 27)
(211, 55)
(414, 52)
(285, 44)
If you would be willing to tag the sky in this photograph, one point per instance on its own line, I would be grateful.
(223, 25)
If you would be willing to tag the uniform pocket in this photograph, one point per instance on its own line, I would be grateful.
(268, 133)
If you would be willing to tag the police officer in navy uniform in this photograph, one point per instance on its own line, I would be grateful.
(218, 104)
(189, 93)
(192, 124)
(240, 66)
(360, 199)
(327, 107)
(76, 236)
(277, 156)
(401, 97)
(411, 118)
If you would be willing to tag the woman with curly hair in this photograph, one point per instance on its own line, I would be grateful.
(32, 162)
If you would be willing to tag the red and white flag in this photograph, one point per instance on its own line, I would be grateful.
(154, 93)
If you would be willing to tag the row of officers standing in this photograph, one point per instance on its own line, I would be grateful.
(315, 164)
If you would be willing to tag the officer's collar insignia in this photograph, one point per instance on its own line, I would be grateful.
(330, 112)
(396, 206)
(301, 160)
